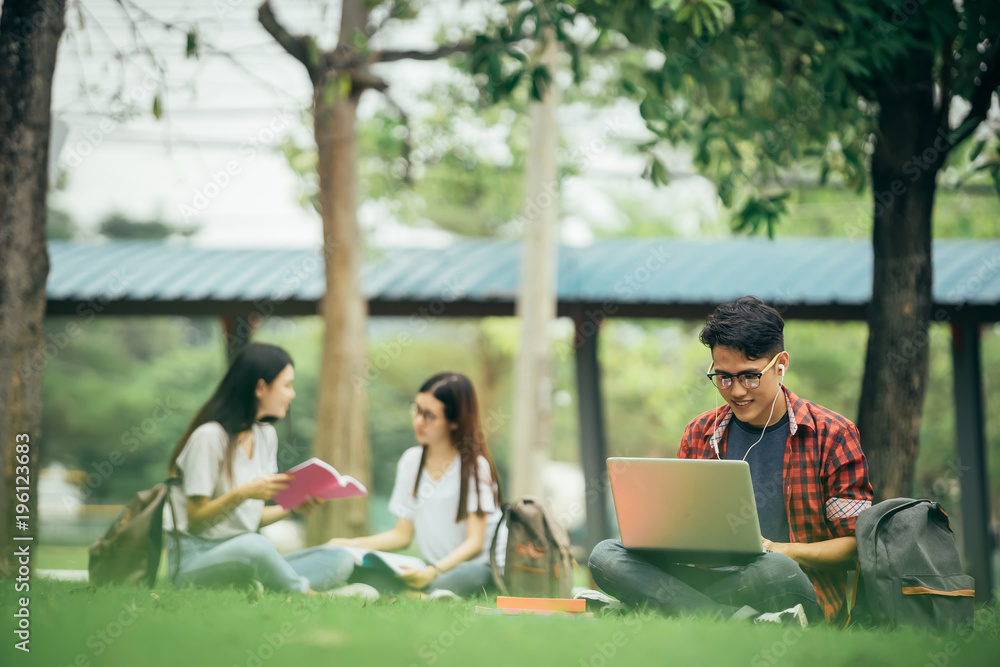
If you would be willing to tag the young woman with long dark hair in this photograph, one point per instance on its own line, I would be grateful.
(227, 462)
(446, 495)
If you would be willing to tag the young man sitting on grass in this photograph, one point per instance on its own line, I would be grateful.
(810, 481)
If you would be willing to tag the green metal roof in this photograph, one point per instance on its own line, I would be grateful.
(634, 277)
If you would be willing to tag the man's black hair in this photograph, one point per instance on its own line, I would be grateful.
(748, 325)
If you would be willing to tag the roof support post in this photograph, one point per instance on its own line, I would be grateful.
(237, 332)
(593, 448)
(979, 542)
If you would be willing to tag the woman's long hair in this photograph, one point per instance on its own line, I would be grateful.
(461, 407)
(234, 403)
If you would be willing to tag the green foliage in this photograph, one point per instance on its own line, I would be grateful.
(762, 91)
(966, 213)
(984, 162)
(969, 27)
(120, 390)
(59, 225)
(438, 170)
(118, 227)
(764, 210)
(192, 46)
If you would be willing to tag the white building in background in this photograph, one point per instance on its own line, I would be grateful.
(564, 489)
(59, 493)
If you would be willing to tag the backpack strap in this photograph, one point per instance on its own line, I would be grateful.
(852, 595)
(174, 532)
(557, 534)
(494, 568)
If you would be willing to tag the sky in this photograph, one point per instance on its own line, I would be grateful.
(211, 159)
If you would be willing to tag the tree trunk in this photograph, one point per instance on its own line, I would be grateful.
(910, 149)
(492, 363)
(341, 426)
(29, 38)
(342, 410)
(536, 302)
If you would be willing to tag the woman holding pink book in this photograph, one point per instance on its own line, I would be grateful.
(227, 463)
(446, 496)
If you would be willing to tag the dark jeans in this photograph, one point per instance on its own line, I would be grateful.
(771, 582)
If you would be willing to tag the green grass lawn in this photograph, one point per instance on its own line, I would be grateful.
(72, 624)
(52, 557)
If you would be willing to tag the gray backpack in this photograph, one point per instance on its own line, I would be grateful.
(910, 572)
(539, 560)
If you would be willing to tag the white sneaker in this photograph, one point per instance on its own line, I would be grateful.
(596, 600)
(362, 591)
(794, 616)
(442, 594)
(256, 591)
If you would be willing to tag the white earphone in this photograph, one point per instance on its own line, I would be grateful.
(781, 377)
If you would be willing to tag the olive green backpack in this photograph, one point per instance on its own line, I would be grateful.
(129, 552)
(539, 561)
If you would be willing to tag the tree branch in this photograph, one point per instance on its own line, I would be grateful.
(407, 141)
(988, 84)
(463, 47)
(170, 26)
(300, 48)
(440, 52)
(362, 79)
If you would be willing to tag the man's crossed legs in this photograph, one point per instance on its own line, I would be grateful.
(771, 582)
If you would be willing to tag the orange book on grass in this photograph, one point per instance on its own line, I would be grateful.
(544, 604)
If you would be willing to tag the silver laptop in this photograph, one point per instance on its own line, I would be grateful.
(702, 509)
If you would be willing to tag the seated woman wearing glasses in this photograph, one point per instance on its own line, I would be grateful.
(810, 482)
(446, 495)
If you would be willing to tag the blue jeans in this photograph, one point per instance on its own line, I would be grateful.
(770, 582)
(238, 560)
(465, 579)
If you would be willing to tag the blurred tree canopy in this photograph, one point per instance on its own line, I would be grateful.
(120, 228)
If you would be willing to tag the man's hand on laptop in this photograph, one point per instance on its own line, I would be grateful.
(771, 546)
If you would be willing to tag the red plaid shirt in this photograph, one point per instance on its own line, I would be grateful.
(825, 479)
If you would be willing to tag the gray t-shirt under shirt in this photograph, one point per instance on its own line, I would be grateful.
(200, 463)
(766, 461)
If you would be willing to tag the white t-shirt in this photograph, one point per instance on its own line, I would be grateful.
(434, 509)
(200, 463)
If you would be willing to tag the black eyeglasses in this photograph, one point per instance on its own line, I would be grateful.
(750, 380)
(427, 415)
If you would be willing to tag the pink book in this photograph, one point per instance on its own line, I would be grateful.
(316, 478)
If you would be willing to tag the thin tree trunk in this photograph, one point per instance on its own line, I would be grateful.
(342, 410)
(492, 363)
(536, 302)
(908, 154)
(341, 424)
(29, 39)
